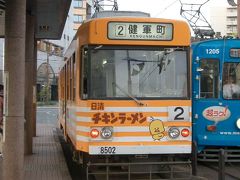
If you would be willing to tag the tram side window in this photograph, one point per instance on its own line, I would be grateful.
(231, 81)
(209, 81)
(84, 73)
(67, 80)
(74, 77)
(70, 78)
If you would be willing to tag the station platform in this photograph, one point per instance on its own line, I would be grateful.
(47, 161)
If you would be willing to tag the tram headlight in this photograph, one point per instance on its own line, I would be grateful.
(107, 132)
(185, 132)
(238, 123)
(94, 133)
(173, 132)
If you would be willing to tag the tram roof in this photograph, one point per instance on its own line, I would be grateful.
(215, 41)
(95, 31)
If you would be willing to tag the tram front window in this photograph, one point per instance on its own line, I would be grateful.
(144, 73)
(209, 78)
(231, 81)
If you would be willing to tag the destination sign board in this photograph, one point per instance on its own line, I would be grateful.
(235, 53)
(140, 31)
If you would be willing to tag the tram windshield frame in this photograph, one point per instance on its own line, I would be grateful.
(125, 72)
(231, 81)
(209, 78)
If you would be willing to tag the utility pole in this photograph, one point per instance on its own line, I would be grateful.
(47, 85)
(49, 53)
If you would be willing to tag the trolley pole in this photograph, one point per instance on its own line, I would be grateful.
(14, 82)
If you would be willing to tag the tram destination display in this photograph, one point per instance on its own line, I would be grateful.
(140, 31)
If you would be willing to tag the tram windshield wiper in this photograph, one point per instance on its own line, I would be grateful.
(98, 47)
(95, 49)
(128, 94)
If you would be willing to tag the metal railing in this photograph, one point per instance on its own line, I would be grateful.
(138, 170)
(232, 154)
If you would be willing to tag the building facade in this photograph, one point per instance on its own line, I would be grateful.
(49, 60)
(231, 21)
(50, 52)
(224, 20)
(81, 11)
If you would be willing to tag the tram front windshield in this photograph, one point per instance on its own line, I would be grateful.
(144, 73)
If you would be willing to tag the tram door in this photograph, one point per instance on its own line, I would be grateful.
(206, 94)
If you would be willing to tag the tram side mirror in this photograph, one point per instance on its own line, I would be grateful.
(200, 69)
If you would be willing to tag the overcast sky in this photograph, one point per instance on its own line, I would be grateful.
(166, 8)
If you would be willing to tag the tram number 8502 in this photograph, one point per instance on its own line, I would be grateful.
(107, 150)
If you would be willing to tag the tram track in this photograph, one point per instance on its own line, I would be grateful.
(230, 172)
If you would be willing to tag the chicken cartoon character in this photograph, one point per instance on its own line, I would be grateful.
(157, 129)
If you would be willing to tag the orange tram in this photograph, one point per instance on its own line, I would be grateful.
(124, 96)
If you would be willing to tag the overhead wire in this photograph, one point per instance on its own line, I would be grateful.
(171, 4)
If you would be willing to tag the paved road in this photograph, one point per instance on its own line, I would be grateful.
(47, 115)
